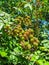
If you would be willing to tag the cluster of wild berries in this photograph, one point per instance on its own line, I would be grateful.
(25, 36)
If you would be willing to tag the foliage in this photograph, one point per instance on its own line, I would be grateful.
(24, 33)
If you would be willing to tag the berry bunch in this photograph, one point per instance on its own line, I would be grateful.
(25, 36)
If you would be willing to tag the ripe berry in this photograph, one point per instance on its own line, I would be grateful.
(25, 37)
(35, 44)
(31, 36)
(36, 40)
(29, 46)
(31, 40)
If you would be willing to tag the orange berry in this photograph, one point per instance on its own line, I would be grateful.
(27, 33)
(36, 40)
(25, 36)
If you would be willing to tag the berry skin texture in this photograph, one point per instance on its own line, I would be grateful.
(22, 44)
(31, 36)
(29, 46)
(31, 40)
(36, 40)
(27, 33)
(35, 44)
(25, 37)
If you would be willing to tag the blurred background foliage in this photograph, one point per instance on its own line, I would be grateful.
(24, 32)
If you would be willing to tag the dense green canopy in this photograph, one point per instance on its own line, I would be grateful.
(24, 32)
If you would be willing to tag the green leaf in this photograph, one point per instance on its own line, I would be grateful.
(46, 63)
(28, 5)
(44, 41)
(3, 54)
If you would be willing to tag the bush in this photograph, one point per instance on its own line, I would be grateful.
(24, 32)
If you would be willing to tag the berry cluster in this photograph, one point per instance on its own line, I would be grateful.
(25, 36)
